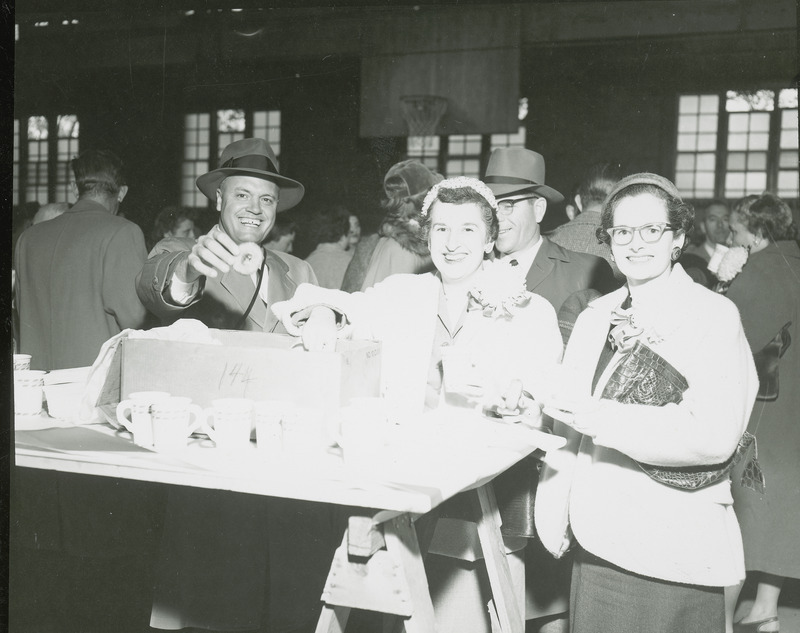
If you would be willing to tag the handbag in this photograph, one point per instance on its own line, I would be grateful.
(645, 377)
(766, 361)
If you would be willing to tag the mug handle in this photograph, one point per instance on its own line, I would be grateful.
(203, 425)
(197, 418)
(123, 406)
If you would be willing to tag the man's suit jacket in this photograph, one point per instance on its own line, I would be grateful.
(222, 301)
(76, 284)
(557, 272)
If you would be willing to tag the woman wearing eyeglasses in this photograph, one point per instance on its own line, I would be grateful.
(655, 391)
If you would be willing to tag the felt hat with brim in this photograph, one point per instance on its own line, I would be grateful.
(513, 170)
(251, 157)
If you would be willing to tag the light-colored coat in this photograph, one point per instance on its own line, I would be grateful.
(613, 508)
(400, 312)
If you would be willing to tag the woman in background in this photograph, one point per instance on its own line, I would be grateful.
(767, 293)
(174, 222)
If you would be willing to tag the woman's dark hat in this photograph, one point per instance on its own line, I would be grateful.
(251, 157)
(513, 170)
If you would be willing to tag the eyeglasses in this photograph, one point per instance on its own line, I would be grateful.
(507, 206)
(650, 233)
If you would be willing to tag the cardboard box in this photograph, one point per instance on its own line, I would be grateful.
(255, 365)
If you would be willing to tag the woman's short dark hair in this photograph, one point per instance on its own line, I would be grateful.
(767, 215)
(464, 195)
(168, 220)
(680, 214)
(98, 172)
(330, 225)
(284, 225)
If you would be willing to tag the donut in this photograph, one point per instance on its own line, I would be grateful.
(249, 259)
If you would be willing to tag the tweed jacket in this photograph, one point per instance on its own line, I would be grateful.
(76, 284)
(222, 301)
(557, 272)
(613, 508)
(580, 235)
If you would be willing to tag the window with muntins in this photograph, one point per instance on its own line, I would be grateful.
(738, 143)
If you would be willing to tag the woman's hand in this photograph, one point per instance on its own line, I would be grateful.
(577, 413)
(319, 331)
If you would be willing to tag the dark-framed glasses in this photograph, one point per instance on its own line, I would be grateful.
(507, 206)
(650, 233)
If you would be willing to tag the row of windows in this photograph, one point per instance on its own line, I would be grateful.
(733, 144)
(41, 164)
(727, 145)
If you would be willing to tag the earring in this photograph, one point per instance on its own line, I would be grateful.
(612, 257)
(756, 241)
(676, 253)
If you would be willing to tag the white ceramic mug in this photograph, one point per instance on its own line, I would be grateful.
(140, 423)
(363, 432)
(305, 430)
(28, 392)
(269, 416)
(22, 362)
(232, 423)
(174, 419)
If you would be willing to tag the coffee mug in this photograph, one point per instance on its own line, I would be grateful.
(269, 415)
(28, 392)
(232, 421)
(22, 362)
(140, 423)
(175, 418)
(362, 435)
(305, 430)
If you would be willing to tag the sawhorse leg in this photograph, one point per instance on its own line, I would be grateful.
(390, 580)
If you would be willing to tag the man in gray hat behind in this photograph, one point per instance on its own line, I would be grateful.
(516, 177)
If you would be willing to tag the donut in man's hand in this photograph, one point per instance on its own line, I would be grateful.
(249, 259)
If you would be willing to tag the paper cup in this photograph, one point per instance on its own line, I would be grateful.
(28, 391)
(22, 362)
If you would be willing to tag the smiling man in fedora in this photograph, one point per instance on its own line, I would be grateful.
(516, 177)
(231, 561)
(188, 279)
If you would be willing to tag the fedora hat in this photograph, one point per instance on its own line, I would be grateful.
(516, 169)
(251, 157)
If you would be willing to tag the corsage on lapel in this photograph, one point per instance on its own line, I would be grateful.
(628, 326)
(499, 290)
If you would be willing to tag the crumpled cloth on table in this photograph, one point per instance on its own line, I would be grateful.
(184, 330)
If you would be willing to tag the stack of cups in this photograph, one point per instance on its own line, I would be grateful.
(28, 390)
(22, 362)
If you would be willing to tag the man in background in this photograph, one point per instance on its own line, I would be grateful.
(713, 221)
(76, 273)
(80, 543)
(516, 176)
(49, 211)
(580, 233)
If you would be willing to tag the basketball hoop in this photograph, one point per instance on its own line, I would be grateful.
(423, 113)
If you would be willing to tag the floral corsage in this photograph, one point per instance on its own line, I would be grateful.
(499, 290)
(730, 265)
